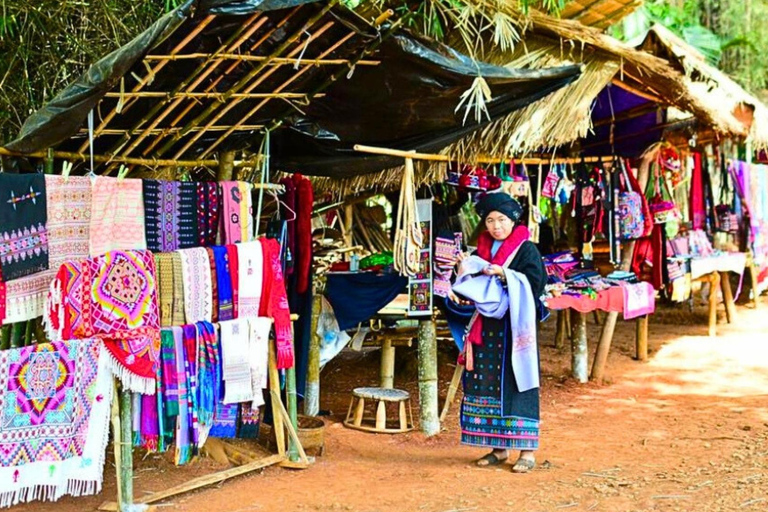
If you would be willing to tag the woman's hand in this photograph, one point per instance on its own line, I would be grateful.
(460, 258)
(493, 270)
(455, 298)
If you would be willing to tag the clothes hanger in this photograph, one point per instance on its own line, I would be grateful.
(280, 202)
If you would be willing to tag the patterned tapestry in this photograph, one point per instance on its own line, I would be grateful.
(23, 230)
(54, 420)
(117, 215)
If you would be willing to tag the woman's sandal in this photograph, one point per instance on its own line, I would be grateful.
(523, 465)
(490, 459)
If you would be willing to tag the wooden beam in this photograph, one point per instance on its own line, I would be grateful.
(275, 61)
(203, 481)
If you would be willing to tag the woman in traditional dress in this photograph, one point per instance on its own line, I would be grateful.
(500, 409)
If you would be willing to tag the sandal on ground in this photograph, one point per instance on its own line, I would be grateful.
(490, 459)
(523, 465)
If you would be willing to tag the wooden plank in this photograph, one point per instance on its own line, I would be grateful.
(203, 481)
(452, 389)
(274, 392)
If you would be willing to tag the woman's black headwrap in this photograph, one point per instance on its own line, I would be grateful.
(499, 202)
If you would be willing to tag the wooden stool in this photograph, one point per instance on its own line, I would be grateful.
(379, 396)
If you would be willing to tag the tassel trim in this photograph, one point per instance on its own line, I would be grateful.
(130, 380)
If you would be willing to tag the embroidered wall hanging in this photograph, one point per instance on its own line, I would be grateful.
(23, 230)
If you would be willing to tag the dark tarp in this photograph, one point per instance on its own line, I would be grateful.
(406, 102)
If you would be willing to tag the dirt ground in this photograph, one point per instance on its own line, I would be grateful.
(686, 431)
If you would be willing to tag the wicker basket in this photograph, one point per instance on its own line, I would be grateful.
(312, 435)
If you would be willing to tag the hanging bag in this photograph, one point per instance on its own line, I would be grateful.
(662, 206)
(727, 221)
(631, 207)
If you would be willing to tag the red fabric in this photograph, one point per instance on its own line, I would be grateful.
(274, 302)
(508, 249)
(289, 199)
(648, 254)
(304, 201)
(608, 300)
(234, 276)
(698, 210)
(2, 298)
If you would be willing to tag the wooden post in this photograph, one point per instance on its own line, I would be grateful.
(730, 307)
(312, 390)
(226, 166)
(125, 469)
(579, 356)
(452, 389)
(348, 234)
(641, 338)
(387, 364)
(561, 334)
(430, 421)
(714, 286)
(292, 408)
(274, 388)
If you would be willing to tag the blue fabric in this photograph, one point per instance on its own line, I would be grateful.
(223, 283)
(357, 297)
(457, 316)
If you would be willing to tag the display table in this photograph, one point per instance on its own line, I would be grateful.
(714, 270)
(635, 301)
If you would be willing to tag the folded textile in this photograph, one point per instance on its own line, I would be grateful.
(23, 225)
(225, 421)
(117, 215)
(250, 273)
(274, 302)
(54, 423)
(214, 285)
(198, 294)
(235, 363)
(258, 356)
(113, 297)
(225, 305)
(639, 300)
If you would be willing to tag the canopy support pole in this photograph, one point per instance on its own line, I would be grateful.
(430, 421)
(312, 391)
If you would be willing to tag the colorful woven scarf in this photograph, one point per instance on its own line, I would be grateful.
(164, 262)
(208, 212)
(208, 378)
(54, 423)
(234, 264)
(188, 212)
(161, 210)
(698, 211)
(274, 302)
(3, 293)
(23, 230)
(183, 453)
(223, 283)
(246, 211)
(214, 286)
(117, 215)
(235, 365)
(114, 297)
(178, 290)
(170, 381)
(303, 255)
(250, 273)
(198, 299)
(231, 227)
(150, 423)
(190, 367)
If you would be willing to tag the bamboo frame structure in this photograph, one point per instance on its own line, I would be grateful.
(275, 61)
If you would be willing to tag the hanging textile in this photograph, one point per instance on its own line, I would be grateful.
(183, 452)
(161, 209)
(408, 237)
(250, 274)
(246, 211)
(697, 204)
(54, 423)
(214, 286)
(164, 263)
(177, 317)
(224, 306)
(23, 220)
(235, 363)
(117, 215)
(188, 214)
(288, 211)
(420, 283)
(249, 422)
(114, 297)
(208, 212)
(234, 273)
(231, 223)
(169, 385)
(225, 421)
(191, 341)
(303, 256)
(208, 378)
(258, 357)
(198, 294)
(274, 302)
(2, 297)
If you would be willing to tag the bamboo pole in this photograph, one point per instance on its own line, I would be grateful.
(276, 61)
(49, 161)
(241, 85)
(205, 95)
(17, 334)
(312, 391)
(195, 79)
(126, 454)
(430, 420)
(159, 131)
(274, 392)
(147, 79)
(5, 337)
(292, 409)
(579, 363)
(226, 166)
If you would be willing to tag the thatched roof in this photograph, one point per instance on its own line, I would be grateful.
(599, 13)
(710, 84)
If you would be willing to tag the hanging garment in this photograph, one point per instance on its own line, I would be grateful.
(250, 274)
(164, 264)
(161, 210)
(188, 215)
(54, 424)
(249, 422)
(303, 256)
(113, 297)
(184, 450)
(214, 286)
(208, 212)
(234, 273)
(246, 211)
(697, 204)
(225, 305)
(170, 385)
(149, 433)
(178, 290)
(208, 378)
(258, 357)
(225, 421)
(274, 302)
(198, 293)
(117, 215)
(235, 363)
(231, 223)
(23, 225)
